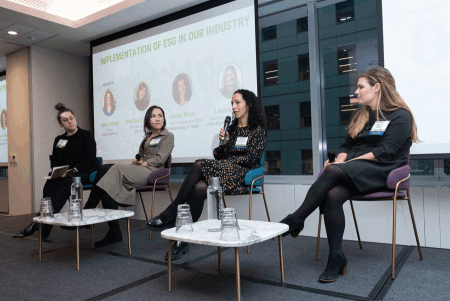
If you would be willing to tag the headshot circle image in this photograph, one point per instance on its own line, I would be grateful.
(109, 102)
(182, 89)
(142, 96)
(230, 80)
(3, 119)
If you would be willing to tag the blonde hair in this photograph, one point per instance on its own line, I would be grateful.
(388, 100)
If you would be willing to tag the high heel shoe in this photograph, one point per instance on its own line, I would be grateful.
(336, 264)
(294, 227)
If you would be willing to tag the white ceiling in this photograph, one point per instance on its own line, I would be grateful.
(63, 38)
(73, 39)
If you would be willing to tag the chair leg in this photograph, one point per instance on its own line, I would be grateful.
(356, 224)
(265, 204)
(394, 229)
(143, 206)
(415, 229)
(250, 214)
(318, 237)
(151, 212)
(171, 199)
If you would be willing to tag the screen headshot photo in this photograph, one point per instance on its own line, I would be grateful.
(182, 89)
(142, 96)
(3, 119)
(109, 103)
(230, 80)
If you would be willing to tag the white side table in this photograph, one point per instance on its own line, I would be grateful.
(90, 217)
(251, 232)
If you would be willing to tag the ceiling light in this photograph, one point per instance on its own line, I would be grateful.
(13, 33)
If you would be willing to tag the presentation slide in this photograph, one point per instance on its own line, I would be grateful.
(190, 67)
(417, 52)
(3, 128)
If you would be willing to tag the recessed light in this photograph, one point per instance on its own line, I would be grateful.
(13, 33)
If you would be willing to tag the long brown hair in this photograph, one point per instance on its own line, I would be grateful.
(388, 100)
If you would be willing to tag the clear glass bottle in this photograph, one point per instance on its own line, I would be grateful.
(215, 205)
(76, 199)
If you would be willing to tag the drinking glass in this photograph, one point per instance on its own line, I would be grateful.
(184, 219)
(46, 210)
(229, 226)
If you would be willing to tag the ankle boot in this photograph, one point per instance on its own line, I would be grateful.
(336, 264)
(294, 227)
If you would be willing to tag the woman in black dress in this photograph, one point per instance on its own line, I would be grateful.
(363, 162)
(230, 164)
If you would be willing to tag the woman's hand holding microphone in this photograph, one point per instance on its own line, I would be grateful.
(223, 136)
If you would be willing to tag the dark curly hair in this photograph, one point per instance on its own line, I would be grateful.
(256, 115)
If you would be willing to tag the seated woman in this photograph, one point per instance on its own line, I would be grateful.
(76, 148)
(117, 186)
(363, 163)
(230, 166)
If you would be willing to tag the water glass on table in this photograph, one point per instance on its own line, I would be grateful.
(229, 227)
(184, 219)
(46, 210)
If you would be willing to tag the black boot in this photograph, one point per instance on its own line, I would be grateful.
(336, 264)
(29, 230)
(178, 249)
(294, 227)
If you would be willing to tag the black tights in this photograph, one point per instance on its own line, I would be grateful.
(331, 190)
(192, 192)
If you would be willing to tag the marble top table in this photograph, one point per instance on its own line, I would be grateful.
(251, 232)
(90, 217)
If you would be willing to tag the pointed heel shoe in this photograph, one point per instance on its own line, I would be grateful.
(337, 264)
(294, 227)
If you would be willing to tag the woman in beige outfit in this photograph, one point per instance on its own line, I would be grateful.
(118, 186)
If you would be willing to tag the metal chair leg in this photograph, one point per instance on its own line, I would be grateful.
(265, 204)
(415, 229)
(151, 210)
(143, 206)
(356, 224)
(394, 229)
(318, 237)
(250, 213)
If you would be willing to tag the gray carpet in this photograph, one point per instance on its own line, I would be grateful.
(110, 274)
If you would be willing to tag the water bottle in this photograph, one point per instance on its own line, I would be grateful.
(215, 205)
(76, 199)
(76, 190)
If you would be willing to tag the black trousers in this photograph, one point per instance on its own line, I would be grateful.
(59, 189)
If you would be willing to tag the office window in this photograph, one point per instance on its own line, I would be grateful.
(303, 67)
(3, 172)
(302, 25)
(422, 167)
(305, 114)
(347, 59)
(307, 162)
(345, 11)
(271, 73)
(447, 166)
(347, 109)
(273, 163)
(273, 117)
(269, 33)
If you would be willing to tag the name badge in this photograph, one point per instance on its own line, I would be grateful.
(61, 143)
(241, 142)
(154, 142)
(379, 128)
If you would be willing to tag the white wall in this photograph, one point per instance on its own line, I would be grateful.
(55, 77)
(431, 208)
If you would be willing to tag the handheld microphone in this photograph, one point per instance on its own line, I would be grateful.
(331, 155)
(226, 124)
(138, 157)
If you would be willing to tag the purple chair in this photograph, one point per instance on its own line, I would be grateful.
(397, 190)
(157, 181)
